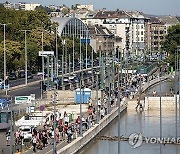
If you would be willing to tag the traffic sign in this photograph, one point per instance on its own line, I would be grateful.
(22, 99)
(7, 86)
(42, 107)
(46, 53)
(33, 96)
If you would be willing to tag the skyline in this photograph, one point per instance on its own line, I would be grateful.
(153, 7)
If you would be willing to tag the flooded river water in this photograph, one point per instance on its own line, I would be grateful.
(147, 123)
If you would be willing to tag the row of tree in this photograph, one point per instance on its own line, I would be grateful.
(35, 22)
(172, 42)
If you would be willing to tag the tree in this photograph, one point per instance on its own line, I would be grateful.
(65, 10)
(13, 54)
(35, 21)
(172, 41)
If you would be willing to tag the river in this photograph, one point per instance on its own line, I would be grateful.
(147, 123)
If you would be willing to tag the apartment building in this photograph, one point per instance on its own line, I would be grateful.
(85, 7)
(102, 39)
(155, 34)
(130, 26)
(20, 6)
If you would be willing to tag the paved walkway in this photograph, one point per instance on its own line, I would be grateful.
(75, 109)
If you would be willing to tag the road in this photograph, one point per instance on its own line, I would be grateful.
(20, 81)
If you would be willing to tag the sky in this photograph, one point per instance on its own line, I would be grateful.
(154, 7)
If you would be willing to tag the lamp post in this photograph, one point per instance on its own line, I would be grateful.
(86, 47)
(56, 62)
(54, 145)
(4, 25)
(73, 52)
(81, 134)
(25, 31)
(42, 59)
(11, 129)
(160, 109)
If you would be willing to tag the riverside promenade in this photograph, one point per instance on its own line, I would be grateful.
(88, 135)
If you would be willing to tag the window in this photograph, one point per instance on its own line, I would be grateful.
(161, 32)
(142, 39)
(142, 33)
(161, 37)
(142, 26)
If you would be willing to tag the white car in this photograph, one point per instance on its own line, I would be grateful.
(26, 131)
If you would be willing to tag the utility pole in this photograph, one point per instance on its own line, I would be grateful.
(119, 109)
(11, 129)
(25, 31)
(69, 64)
(56, 61)
(92, 64)
(73, 52)
(42, 59)
(81, 134)
(54, 145)
(176, 90)
(4, 25)
(86, 48)
(97, 112)
(160, 95)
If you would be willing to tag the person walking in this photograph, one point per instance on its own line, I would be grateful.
(138, 102)
(34, 142)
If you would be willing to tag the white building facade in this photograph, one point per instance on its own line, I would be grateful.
(130, 26)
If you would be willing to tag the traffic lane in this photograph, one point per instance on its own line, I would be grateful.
(21, 81)
(27, 91)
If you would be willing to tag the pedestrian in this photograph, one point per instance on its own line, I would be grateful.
(69, 133)
(57, 135)
(154, 93)
(21, 137)
(18, 151)
(138, 103)
(34, 142)
(17, 135)
(102, 112)
(7, 137)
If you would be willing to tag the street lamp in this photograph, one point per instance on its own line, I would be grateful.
(25, 57)
(56, 62)
(42, 60)
(5, 52)
(73, 52)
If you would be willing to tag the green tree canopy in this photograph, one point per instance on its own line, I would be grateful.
(172, 39)
(17, 21)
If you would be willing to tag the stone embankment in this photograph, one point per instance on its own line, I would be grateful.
(90, 134)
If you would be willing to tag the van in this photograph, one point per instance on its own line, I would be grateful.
(27, 132)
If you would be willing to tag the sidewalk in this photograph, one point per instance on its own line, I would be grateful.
(75, 109)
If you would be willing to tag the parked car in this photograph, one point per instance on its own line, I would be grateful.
(21, 74)
(12, 76)
(66, 80)
(29, 75)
